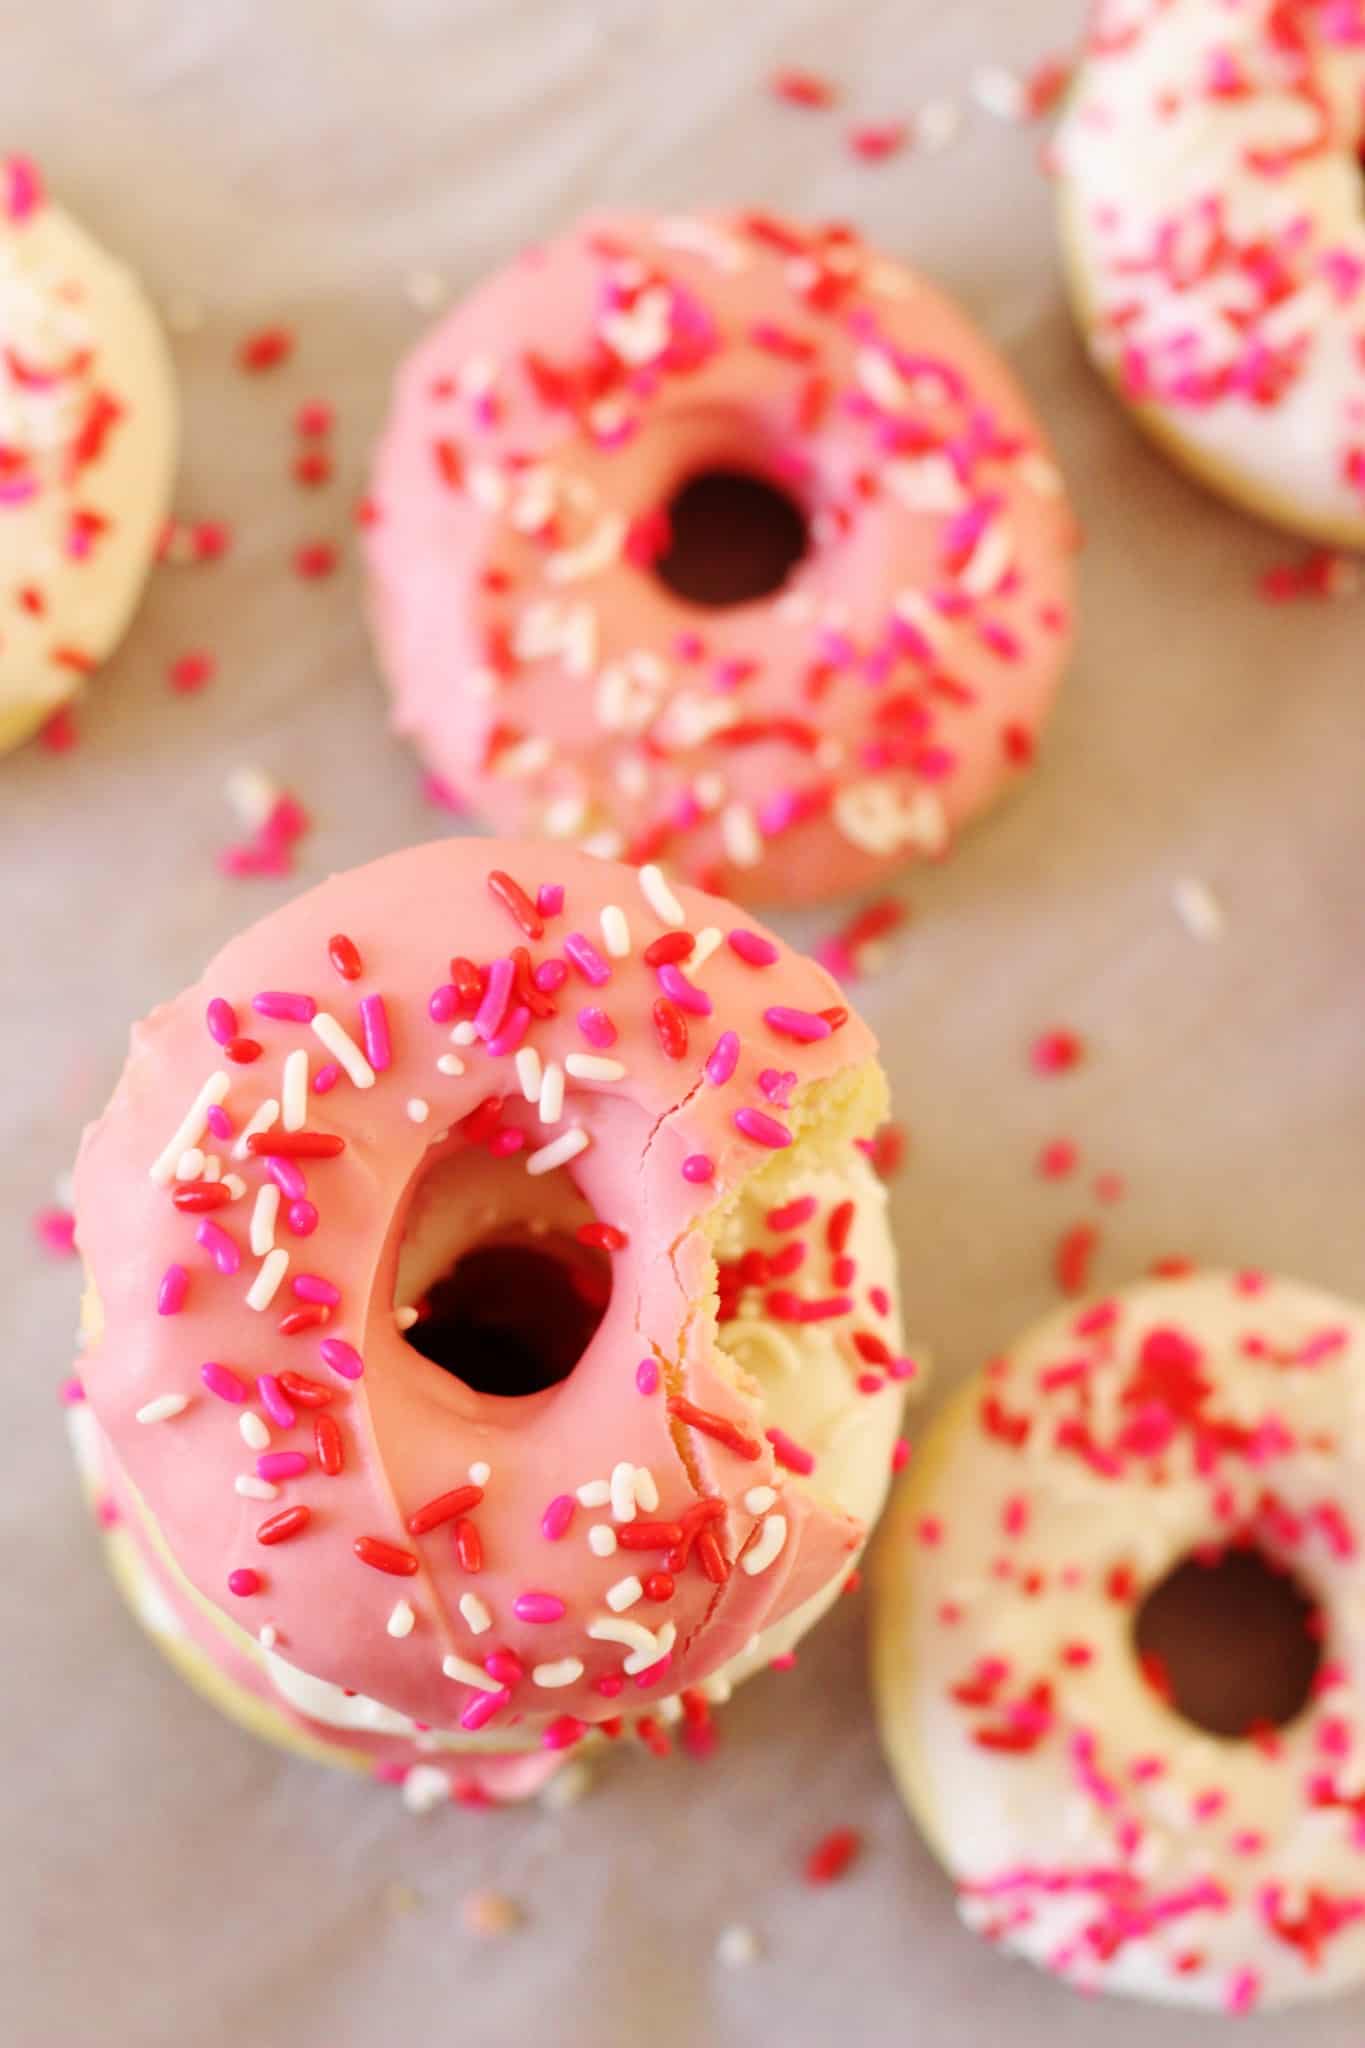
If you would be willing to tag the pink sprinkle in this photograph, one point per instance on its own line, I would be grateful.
(1057, 1159)
(25, 193)
(302, 1218)
(221, 1019)
(505, 1666)
(550, 976)
(287, 1176)
(550, 899)
(647, 1376)
(293, 1009)
(219, 1246)
(587, 959)
(281, 1465)
(763, 1129)
(71, 1393)
(900, 1454)
(724, 1059)
(1243, 1991)
(753, 948)
(496, 996)
(790, 1453)
(505, 1142)
(875, 141)
(652, 1676)
(513, 1030)
(219, 1122)
(244, 1582)
(326, 1078)
(443, 1003)
(803, 1025)
(554, 1523)
(273, 1400)
(538, 1607)
(597, 1027)
(311, 1287)
(343, 1358)
(170, 1295)
(374, 1026)
(563, 1733)
(222, 1381)
(56, 1229)
(482, 1708)
(684, 993)
(697, 1167)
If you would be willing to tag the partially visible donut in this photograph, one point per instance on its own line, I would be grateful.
(1214, 231)
(549, 443)
(1101, 1807)
(87, 450)
(491, 1325)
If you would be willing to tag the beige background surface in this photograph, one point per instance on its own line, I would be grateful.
(164, 1880)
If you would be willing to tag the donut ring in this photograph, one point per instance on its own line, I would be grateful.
(608, 1081)
(1210, 195)
(1087, 1824)
(518, 532)
(87, 451)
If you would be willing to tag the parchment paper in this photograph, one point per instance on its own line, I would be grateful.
(165, 1880)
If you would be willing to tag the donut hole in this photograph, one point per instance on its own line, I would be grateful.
(514, 1314)
(1231, 1641)
(734, 537)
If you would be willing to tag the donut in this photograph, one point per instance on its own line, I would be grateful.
(723, 542)
(87, 451)
(492, 1335)
(1209, 176)
(1172, 1812)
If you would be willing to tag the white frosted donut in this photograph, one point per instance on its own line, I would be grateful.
(1088, 1824)
(1214, 227)
(87, 451)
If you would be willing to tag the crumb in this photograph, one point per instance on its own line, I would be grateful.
(570, 1783)
(1198, 909)
(490, 1915)
(737, 1946)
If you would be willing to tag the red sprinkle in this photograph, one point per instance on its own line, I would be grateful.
(295, 1144)
(190, 672)
(242, 1051)
(603, 1236)
(197, 1197)
(289, 1522)
(832, 1856)
(266, 349)
(468, 1546)
(874, 141)
(308, 1393)
(671, 1026)
(1072, 1258)
(802, 88)
(385, 1557)
(315, 559)
(718, 1426)
(327, 1438)
(1056, 1052)
(446, 1507)
(515, 900)
(344, 956)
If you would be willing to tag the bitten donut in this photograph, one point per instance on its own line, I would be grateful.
(584, 462)
(1060, 1508)
(87, 451)
(492, 1332)
(1210, 184)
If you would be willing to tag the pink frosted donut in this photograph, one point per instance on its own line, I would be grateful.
(491, 1322)
(590, 461)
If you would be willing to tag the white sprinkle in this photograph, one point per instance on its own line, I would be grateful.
(252, 1488)
(480, 1472)
(405, 1317)
(615, 931)
(233, 1182)
(255, 1434)
(212, 1168)
(602, 1540)
(265, 1286)
(191, 1127)
(463, 1033)
(740, 835)
(424, 1788)
(190, 1164)
(294, 1090)
(400, 1622)
(646, 1492)
(707, 942)
(528, 1072)
(624, 1594)
(759, 1499)
(736, 1946)
(253, 795)
(552, 1093)
(163, 1407)
(269, 1636)
(1198, 909)
(466, 1673)
(418, 1110)
(567, 1671)
(608, 844)
(558, 1152)
(262, 1119)
(343, 1049)
(623, 1491)
(264, 1211)
(595, 552)
(660, 898)
(998, 92)
(475, 1613)
(771, 1537)
(594, 1493)
(590, 1066)
(450, 1063)
(936, 125)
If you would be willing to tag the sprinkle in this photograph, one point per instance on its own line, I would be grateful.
(343, 1049)
(1198, 909)
(552, 1093)
(529, 1073)
(831, 1856)
(251, 1487)
(244, 1582)
(446, 1507)
(1056, 1052)
(221, 1019)
(254, 1433)
(170, 1295)
(327, 1443)
(718, 1426)
(476, 1615)
(646, 1492)
(418, 1109)
(480, 1473)
(265, 1286)
(1072, 1258)
(741, 837)
(737, 1946)
(450, 1063)
(597, 1027)
(624, 1594)
(554, 1523)
(263, 1215)
(191, 1127)
(465, 1673)
(789, 1453)
(602, 1540)
(294, 1090)
(762, 1128)
(273, 1400)
(586, 958)
(343, 955)
(772, 1536)
(538, 1607)
(262, 1119)
(803, 1025)
(468, 1546)
(594, 1493)
(342, 1357)
(558, 1152)
(288, 1523)
(759, 1499)
(567, 1671)
(266, 349)
(671, 1028)
(401, 1620)
(515, 900)
(802, 88)
(585, 1066)
(875, 141)
(647, 1376)
(293, 1009)
(163, 1407)
(615, 931)
(282, 1464)
(385, 1557)
(697, 1168)
(723, 1060)
(222, 1381)
(622, 1491)
(482, 1708)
